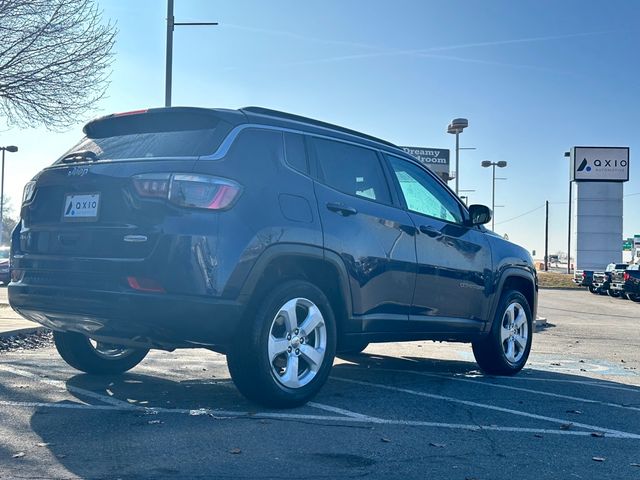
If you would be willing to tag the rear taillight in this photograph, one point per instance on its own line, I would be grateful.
(145, 285)
(188, 190)
(625, 275)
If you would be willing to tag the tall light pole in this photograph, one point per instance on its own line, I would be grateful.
(456, 127)
(568, 155)
(11, 149)
(171, 23)
(487, 164)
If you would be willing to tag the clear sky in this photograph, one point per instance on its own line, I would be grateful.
(532, 77)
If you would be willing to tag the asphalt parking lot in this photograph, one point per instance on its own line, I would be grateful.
(415, 410)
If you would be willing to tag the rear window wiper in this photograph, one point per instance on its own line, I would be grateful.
(80, 156)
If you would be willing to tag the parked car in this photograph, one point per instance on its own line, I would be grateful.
(275, 239)
(616, 282)
(631, 286)
(584, 278)
(4, 265)
(602, 280)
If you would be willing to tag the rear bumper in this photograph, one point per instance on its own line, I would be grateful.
(155, 319)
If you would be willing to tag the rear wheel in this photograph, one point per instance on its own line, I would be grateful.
(633, 297)
(285, 353)
(593, 289)
(95, 357)
(613, 293)
(506, 349)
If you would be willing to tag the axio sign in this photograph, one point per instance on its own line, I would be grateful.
(600, 164)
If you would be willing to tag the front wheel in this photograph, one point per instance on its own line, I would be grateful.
(94, 357)
(506, 349)
(285, 350)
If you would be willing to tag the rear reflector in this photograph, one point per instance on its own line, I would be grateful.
(145, 285)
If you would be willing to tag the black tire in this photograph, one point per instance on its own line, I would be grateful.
(613, 293)
(634, 297)
(78, 352)
(490, 353)
(593, 289)
(351, 347)
(249, 361)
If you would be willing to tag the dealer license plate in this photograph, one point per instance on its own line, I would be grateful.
(81, 207)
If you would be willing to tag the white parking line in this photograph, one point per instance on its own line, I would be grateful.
(217, 414)
(508, 387)
(64, 386)
(488, 407)
(593, 383)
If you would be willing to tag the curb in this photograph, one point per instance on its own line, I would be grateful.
(22, 331)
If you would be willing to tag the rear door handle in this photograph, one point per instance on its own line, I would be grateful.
(430, 231)
(341, 209)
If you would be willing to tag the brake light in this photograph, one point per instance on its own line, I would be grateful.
(145, 285)
(626, 276)
(189, 190)
(132, 112)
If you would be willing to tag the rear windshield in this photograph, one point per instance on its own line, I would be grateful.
(150, 135)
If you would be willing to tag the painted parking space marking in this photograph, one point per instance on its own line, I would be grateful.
(469, 403)
(344, 416)
(64, 386)
(223, 415)
(509, 387)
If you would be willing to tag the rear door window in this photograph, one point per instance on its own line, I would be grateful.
(351, 169)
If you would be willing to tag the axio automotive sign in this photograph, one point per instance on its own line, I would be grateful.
(600, 164)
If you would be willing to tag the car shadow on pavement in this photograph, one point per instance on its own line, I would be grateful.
(112, 441)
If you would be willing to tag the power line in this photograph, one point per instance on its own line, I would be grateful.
(521, 215)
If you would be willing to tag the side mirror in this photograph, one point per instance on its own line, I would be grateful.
(479, 214)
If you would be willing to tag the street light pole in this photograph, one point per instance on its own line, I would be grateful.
(456, 127)
(501, 164)
(12, 149)
(171, 23)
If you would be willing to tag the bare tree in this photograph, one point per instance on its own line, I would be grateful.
(55, 58)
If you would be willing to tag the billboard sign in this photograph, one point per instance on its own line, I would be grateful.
(429, 157)
(600, 164)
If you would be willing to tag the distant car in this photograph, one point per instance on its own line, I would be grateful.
(602, 280)
(584, 278)
(616, 285)
(4, 265)
(631, 284)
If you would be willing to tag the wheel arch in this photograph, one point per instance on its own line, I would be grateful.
(323, 268)
(519, 280)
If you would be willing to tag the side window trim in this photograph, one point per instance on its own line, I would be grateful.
(463, 211)
(305, 153)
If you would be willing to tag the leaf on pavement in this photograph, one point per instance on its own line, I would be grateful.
(438, 445)
(635, 464)
(598, 459)
(43, 444)
(385, 440)
(566, 426)
(577, 412)
(18, 455)
(597, 434)
(235, 451)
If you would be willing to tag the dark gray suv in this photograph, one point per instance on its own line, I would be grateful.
(273, 238)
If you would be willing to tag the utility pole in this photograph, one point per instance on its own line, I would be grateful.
(171, 23)
(546, 237)
(568, 155)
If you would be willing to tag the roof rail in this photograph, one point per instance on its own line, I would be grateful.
(311, 121)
